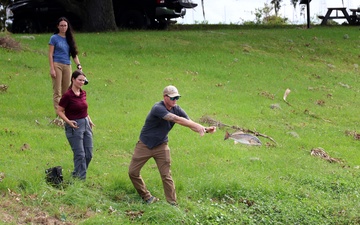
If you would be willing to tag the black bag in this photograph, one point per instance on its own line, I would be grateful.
(54, 176)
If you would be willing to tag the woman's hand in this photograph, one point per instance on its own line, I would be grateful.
(52, 73)
(73, 124)
(91, 124)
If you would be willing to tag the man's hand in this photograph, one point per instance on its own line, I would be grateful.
(199, 128)
(210, 130)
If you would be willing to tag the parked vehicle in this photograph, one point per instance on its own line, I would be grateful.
(142, 14)
(34, 16)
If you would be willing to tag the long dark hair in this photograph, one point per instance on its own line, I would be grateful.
(69, 36)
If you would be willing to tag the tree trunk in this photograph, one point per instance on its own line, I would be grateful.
(95, 15)
(100, 16)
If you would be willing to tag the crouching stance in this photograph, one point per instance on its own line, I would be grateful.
(153, 143)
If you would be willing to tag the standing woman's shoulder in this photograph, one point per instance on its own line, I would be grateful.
(53, 39)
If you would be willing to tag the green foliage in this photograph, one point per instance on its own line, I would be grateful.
(235, 75)
(263, 15)
(275, 20)
(3, 4)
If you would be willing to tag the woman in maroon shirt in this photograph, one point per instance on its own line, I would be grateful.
(78, 125)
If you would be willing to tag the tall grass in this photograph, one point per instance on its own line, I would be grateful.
(233, 76)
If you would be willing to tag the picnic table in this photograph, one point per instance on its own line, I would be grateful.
(344, 15)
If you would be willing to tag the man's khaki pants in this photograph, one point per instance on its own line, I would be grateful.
(161, 155)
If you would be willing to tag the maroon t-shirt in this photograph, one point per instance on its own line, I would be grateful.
(75, 106)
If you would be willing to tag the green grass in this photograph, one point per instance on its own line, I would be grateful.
(232, 75)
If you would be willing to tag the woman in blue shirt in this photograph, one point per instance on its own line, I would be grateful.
(61, 46)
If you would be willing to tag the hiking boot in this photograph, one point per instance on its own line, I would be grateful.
(151, 200)
(173, 203)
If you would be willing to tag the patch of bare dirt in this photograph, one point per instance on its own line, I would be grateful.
(9, 43)
(13, 211)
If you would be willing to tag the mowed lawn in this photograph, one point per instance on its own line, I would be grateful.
(233, 76)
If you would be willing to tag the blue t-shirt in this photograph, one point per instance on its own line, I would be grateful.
(156, 128)
(61, 49)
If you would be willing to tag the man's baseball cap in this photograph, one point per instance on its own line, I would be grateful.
(171, 91)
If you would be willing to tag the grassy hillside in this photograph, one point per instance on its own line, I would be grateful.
(236, 77)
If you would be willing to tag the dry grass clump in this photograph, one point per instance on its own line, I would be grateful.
(9, 43)
(320, 152)
(353, 133)
(3, 87)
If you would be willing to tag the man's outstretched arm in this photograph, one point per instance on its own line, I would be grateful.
(190, 124)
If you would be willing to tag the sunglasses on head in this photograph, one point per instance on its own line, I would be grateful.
(174, 98)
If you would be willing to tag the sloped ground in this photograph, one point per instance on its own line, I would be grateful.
(12, 211)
